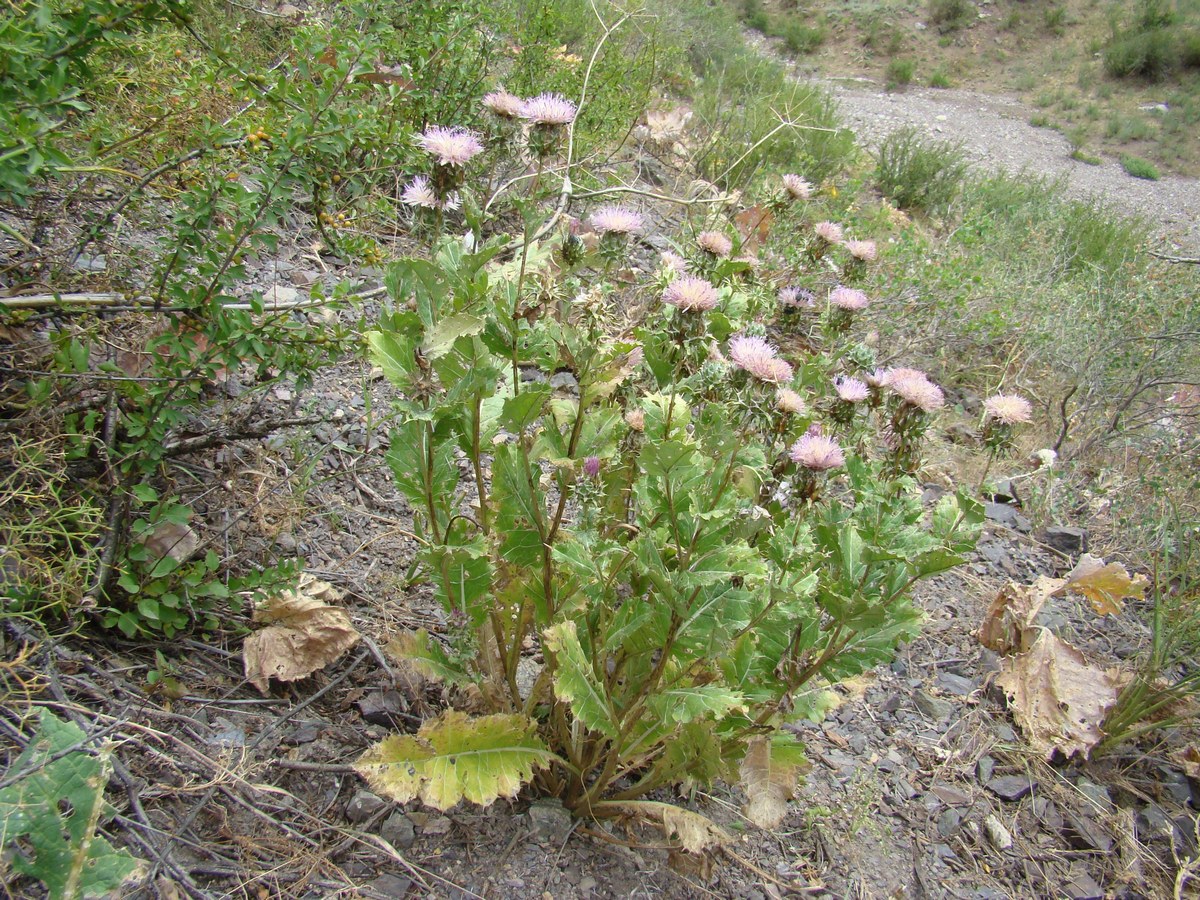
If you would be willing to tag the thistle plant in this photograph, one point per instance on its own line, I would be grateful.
(641, 592)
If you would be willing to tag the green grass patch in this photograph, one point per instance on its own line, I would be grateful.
(919, 174)
(1139, 168)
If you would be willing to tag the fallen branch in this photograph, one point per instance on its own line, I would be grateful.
(1193, 260)
(44, 301)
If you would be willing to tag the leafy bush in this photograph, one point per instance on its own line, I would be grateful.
(950, 15)
(900, 73)
(802, 39)
(639, 521)
(1152, 55)
(1139, 168)
(919, 174)
(939, 79)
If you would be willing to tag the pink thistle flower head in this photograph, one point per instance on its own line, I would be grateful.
(548, 109)
(616, 220)
(863, 251)
(420, 193)
(828, 231)
(715, 243)
(591, 466)
(790, 402)
(1008, 409)
(850, 299)
(450, 146)
(504, 104)
(816, 452)
(914, 388)
(754, 355)
(673, 263)
(797, 187)
(795, 297)
(850, 389)
(690, 293)
(876, 379)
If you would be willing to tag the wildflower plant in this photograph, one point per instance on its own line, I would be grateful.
(646, 577)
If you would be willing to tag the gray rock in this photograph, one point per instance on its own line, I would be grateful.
(997, 834)
(1096, 793)
(948, 822)
(932, 707)
(549, 822)
(1083, 833)
(1005, 492)
(1083, 887)
(90, 263)
(984, 768)
(1153, 825)
(1006, 515)
(397, 829)
(1066, 539)
(1011, 787)
(304, 734)
(955, 684)
(932, 493)
(564, 381)
(394, 886)
(363, 806)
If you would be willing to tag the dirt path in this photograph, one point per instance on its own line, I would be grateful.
(996, 134)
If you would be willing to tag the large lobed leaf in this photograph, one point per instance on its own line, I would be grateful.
(66, 852)
(769, 772)
(456, 757)
(576, 683)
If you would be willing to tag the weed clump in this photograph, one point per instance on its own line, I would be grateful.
(919, 174)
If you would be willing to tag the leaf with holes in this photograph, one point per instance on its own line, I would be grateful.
(456, 757)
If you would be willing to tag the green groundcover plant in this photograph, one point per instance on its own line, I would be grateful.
(655, 560)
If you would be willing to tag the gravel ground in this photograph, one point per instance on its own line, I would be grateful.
(995, 133)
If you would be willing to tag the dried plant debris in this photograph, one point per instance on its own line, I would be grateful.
(304, 633)
(1058, 698)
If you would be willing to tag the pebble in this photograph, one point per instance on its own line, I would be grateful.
(999, 836)
(933, 707)
(984, 769)
(363, 806)
(955, 684)
(948, 822)
(549, 822)
(397, 829)
(1066, 539)
(1011, 788)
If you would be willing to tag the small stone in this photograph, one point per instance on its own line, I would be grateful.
(549, 822)
(984, 769)
(932, 707)
(1084, 834)
(1047, 813)
(948, 822)
(1096, 793)
(1066, 539)
(305, 734)
(1011, 788)
(363, 806)
(279, 296)
(564, 381)
(437, 825)
(89, 263)
(951, 796)
(1084, 887)
(587, 884)
(904, 790)
(397, 829)
(1004, 492)
(932, 493)
(391, 886)
(999, 836)
(1004, 732)
(286, 541)
(1153, 825)
(955, 684)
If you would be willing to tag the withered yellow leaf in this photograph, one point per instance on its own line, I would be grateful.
(1105, 586)
(769, 777)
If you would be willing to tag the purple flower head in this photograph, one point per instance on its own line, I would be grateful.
(850, 389)
(828, 231)
(591, 466)
(754, 355)
(616, 220)
(816, 452)
(690, 293)
(715, 243)
(863, 251)
(790, 402)
(548, 109)
(673, 263)
(797, 187)
(914, 388)
(503, 104)
(450, 146)
(1008, 409)
(420, 193)
(850, 299)
(796, 297)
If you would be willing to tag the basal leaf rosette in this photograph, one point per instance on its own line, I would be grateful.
(457, 757)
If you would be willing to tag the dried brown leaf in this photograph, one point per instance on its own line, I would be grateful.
(1188, 759)
(169, 539)
(1058, 698)
(768, 782)
(303, 634)
(754, 225)
(695, 832)
(1105, 586)
(1008, 624)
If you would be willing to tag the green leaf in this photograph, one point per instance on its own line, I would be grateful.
(394, 355)
(426, 656)
(145, 493)
(441, 339)
(575, 682)
(462, 577)
(456, 757)
(687, 704)
(65, 851)
(523, 410)
(662, 458)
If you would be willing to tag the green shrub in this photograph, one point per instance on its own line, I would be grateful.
(950, 15)
(916, 173)
(939, 79)
(802, 39)
(1139, 168)
(1055, 19)
(900, 72)
(1152, 55)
